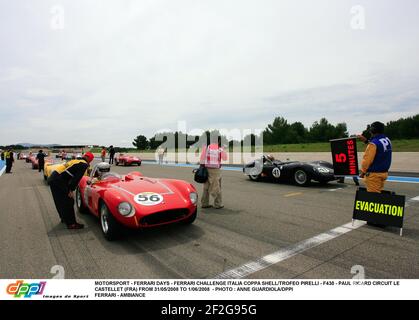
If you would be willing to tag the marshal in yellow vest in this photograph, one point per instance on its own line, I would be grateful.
(65, 166)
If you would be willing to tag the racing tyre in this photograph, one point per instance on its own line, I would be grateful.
(111, 229)
(301, 177)
(254, 177)
(79, 203)
(116, 163)
(191, 219)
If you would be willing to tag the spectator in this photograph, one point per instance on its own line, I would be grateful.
(103, 154)
(160, 152)
(111, 154)
(41, 160)
(211, 158)
(8, 155)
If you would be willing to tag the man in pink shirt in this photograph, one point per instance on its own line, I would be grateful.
(211, 158)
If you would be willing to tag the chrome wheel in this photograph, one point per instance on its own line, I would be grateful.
(254, 177)
(78, 198)
(300, 177)
(104, 219)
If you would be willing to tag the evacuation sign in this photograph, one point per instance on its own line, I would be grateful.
(380, 208)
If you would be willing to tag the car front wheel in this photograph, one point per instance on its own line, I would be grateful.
(110, 228)
(79, 202)
(301, 178)
(191, 219)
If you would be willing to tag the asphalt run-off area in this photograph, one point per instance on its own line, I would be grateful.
(265, 230)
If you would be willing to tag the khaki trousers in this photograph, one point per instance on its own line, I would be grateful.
(212, 187)
(375, 181)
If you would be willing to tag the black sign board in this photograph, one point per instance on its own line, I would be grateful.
(379, 208)
(345, 157)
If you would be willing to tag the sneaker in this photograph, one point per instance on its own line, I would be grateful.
(219, 207)
(206, 207)
(75, 226)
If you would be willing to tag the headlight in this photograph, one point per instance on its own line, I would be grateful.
(125, 209)
(323, 170)
(194, 197)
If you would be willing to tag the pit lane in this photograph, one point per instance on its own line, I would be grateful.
(258, 219)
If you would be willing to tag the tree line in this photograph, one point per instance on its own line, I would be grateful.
(404, 128)
(280, 131)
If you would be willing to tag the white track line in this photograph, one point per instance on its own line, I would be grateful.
(283, 254)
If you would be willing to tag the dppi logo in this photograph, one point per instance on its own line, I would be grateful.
(27, 290)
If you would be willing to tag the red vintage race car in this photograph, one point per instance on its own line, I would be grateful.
(127, 160)
(134, 201)
(28, 158)
(33, 161)
(35, 164)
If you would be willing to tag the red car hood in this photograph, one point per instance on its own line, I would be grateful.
(142, 184)
(175, 193)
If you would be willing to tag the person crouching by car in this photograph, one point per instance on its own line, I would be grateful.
(41, 160)
(377, 159)
(63, 181)
(211, 158)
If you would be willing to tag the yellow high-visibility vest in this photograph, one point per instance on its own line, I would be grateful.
(65, 166)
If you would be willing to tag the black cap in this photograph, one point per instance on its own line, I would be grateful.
(377, 127)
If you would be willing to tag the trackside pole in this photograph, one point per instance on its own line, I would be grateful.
(401, 232)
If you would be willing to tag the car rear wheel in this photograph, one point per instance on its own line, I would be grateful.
(110, 227)
(301, 177)
(191, 219)
(79, 203)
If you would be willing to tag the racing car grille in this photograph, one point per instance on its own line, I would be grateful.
(164, 217)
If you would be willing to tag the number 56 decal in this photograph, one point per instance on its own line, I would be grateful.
(148, 198)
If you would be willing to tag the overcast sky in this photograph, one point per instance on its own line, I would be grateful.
(102, 71)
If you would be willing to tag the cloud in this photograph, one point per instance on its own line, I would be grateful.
(122, 68)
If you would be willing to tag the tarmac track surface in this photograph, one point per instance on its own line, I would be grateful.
(259, 218)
